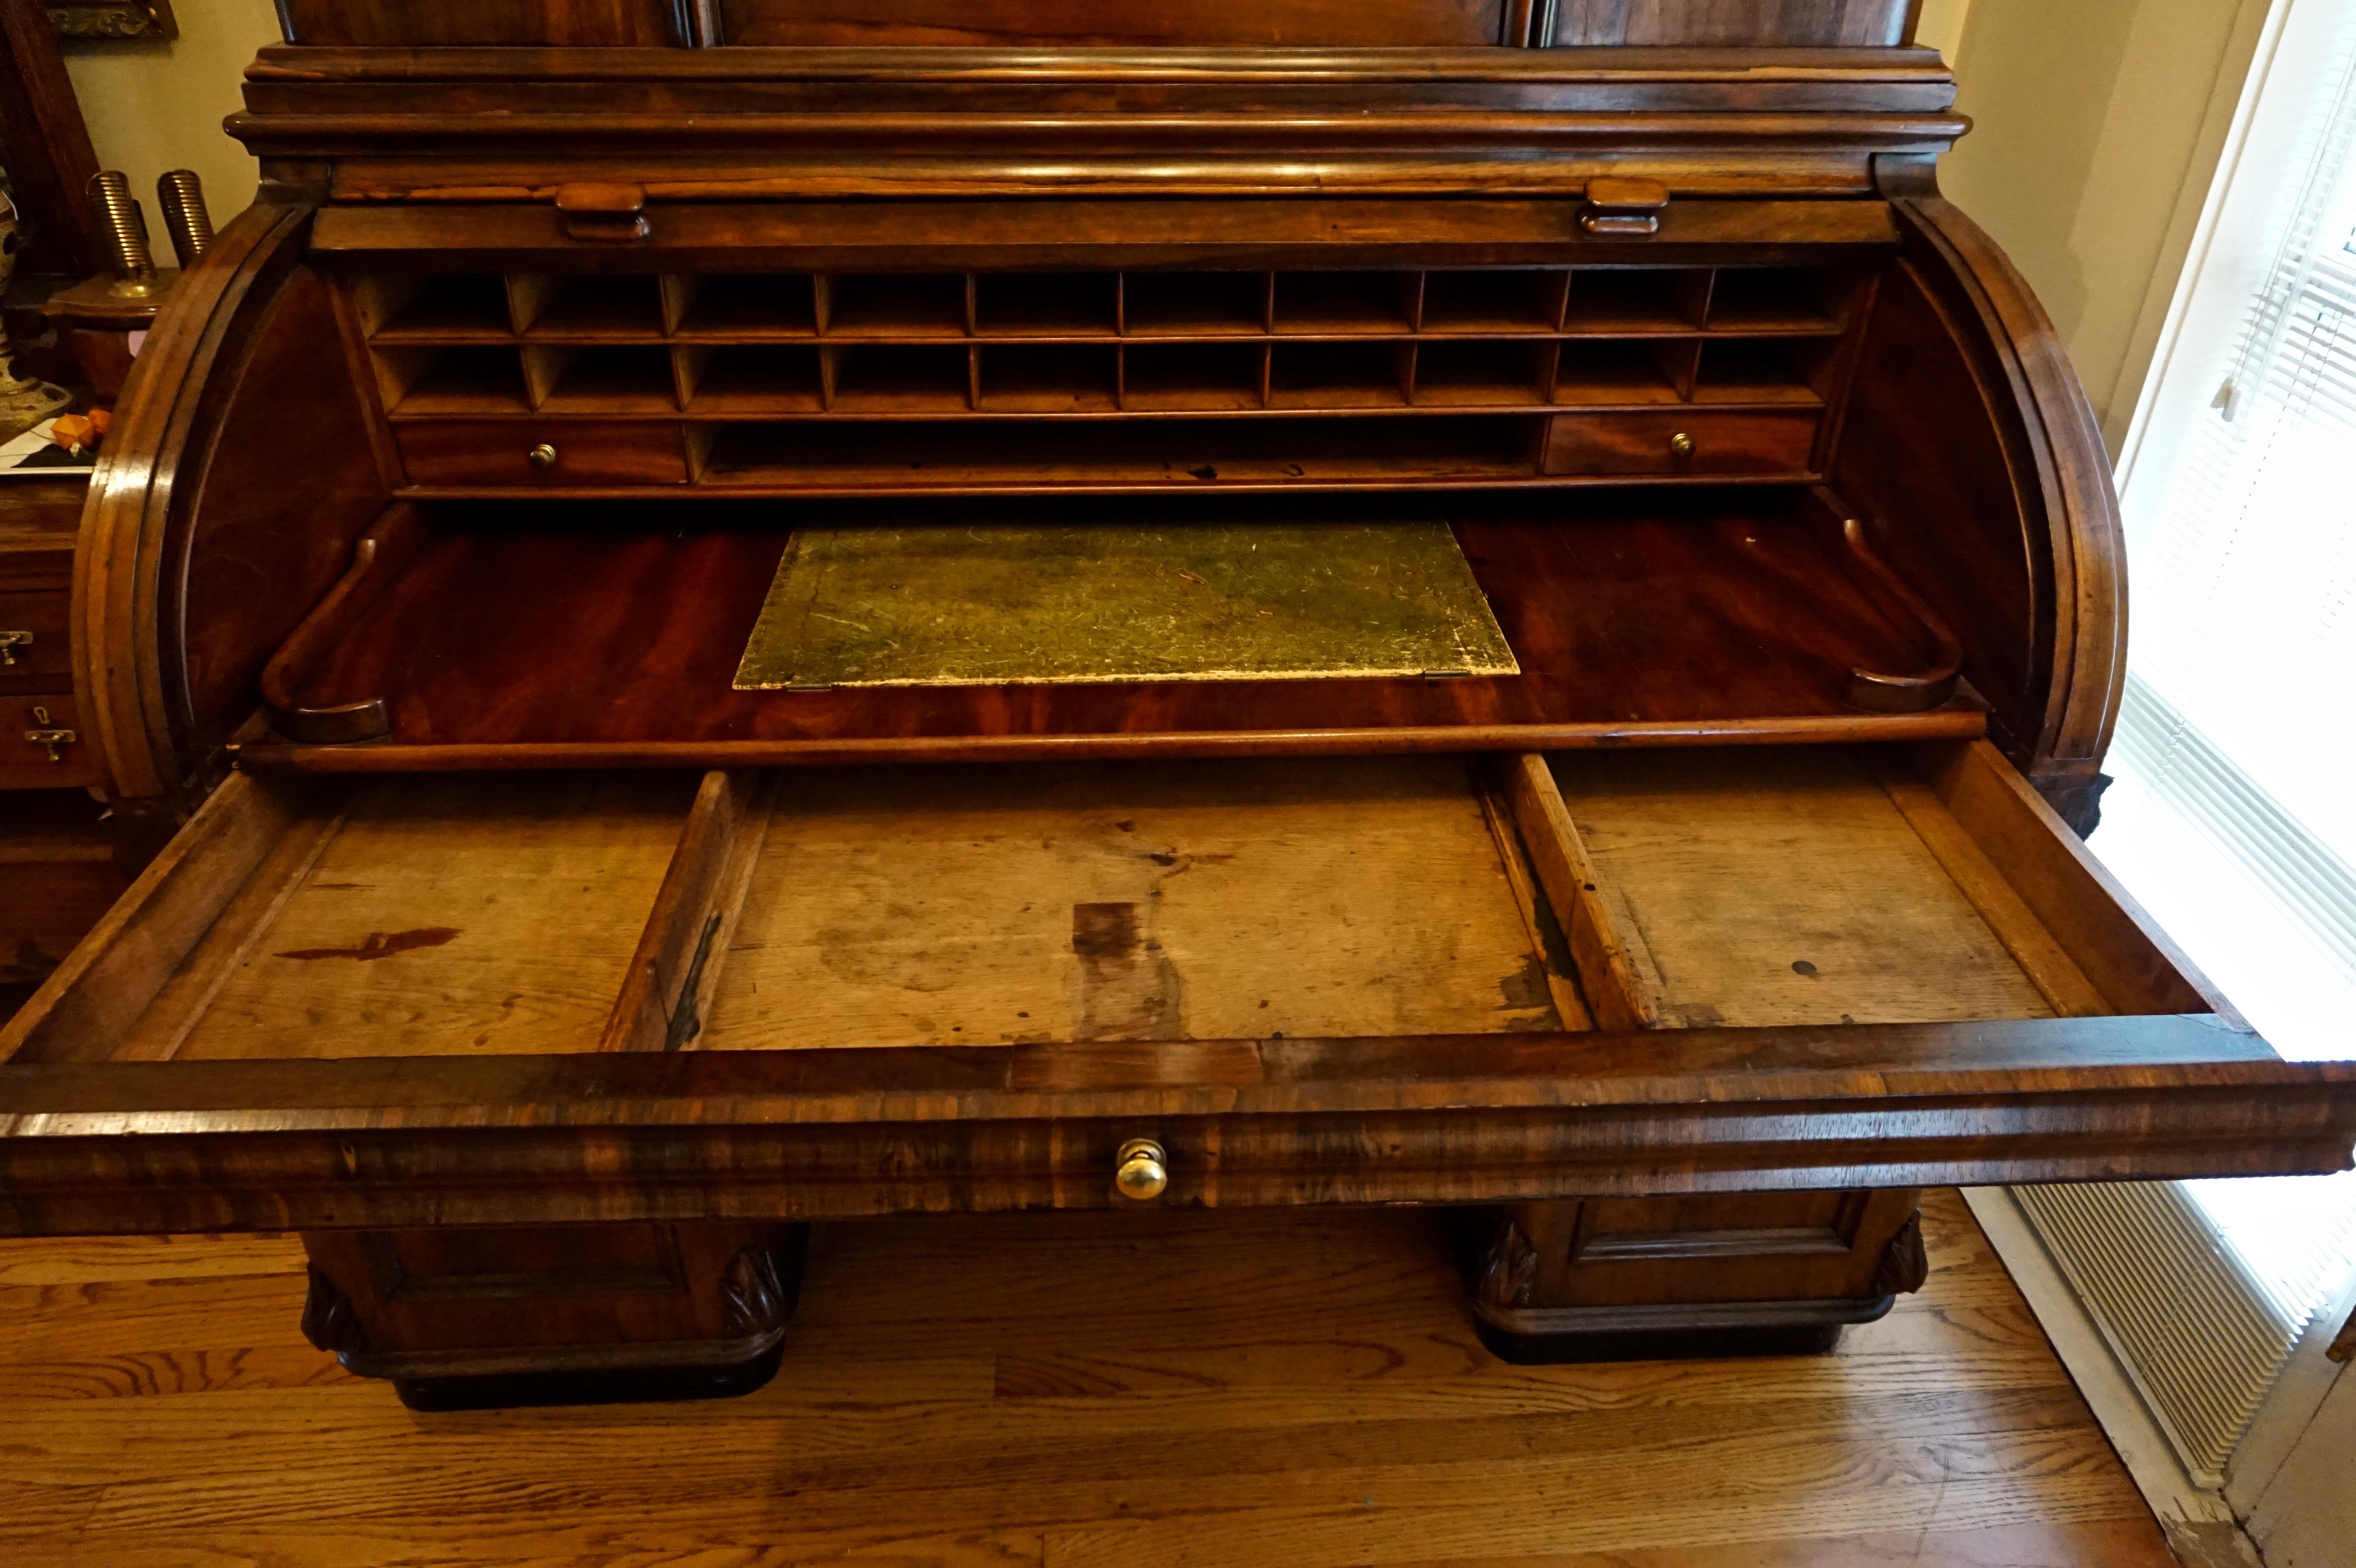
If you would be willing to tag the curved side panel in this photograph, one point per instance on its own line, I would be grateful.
(1971, 447)
(240, 446)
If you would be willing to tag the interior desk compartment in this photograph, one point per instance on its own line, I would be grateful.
(1704, 612)
(766, 996)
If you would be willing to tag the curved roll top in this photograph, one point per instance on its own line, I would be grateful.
(1271, 24)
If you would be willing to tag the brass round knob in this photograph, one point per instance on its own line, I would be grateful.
(1140, 1170)
(543, 456)
(1681, 446)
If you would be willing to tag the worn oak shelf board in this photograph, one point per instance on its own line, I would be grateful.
(1288, 898)
(347, 968)
(1316, 1396)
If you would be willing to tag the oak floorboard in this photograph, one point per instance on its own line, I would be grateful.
(1057, 1391)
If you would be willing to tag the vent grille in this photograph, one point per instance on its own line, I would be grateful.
(2193, 1332)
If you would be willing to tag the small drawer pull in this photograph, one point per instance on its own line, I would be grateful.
(543, 457)
(1681, 447)
(56, 740)
(1140, 1170)
(1625, 208)
(10, 642)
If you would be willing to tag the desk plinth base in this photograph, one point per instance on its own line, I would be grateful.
(1672, 1278)
(494, 1317)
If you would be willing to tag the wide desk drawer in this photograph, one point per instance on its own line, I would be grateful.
(539, 998)
(552, 456)
(34, 655)
(1682, 440)
(42, 744)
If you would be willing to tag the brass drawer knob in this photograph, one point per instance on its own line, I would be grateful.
(543, 456)
(1140, 1170)
(10, 642)
(1681, 447)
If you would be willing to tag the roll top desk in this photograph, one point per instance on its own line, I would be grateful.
(551, 983)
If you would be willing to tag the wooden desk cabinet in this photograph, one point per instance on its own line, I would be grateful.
(549, 984)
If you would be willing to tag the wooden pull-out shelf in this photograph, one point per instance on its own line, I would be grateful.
(535, 998)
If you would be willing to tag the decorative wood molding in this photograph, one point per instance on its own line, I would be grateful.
(330, 1321)
(1509, 1270)
(761, 1287)
(113, 21)
(1905, 1265)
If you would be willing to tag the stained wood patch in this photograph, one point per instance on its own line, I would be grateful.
(459, 915)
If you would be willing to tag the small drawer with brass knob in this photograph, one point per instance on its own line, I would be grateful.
(1683, 440)
(41, 744)
(33, 641)
(533, 454)
(1140, 1170)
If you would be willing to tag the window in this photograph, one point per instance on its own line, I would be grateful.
(2234, 816)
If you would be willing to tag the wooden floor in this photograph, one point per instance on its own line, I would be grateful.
(1136, 1392)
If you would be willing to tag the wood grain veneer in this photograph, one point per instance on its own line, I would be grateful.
(1627, 610)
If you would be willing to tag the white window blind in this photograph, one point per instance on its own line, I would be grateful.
(2244, 557)
(2234, 816)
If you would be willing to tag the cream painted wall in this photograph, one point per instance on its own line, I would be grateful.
(2098, 126)
(153, 107)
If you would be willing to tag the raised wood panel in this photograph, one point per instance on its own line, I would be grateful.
(1792, 24)
(1923, 458)
(1799, 1248)
(1434, 24)
(289, 480)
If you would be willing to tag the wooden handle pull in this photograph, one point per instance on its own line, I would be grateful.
(607, 213)
(1617, 206)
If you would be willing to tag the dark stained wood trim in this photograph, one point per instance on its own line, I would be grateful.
(1963, 722)
(801, 1135)
(2068, 469)
(508, 230)
(130, 676)
(1652, 64)
(676, 965)
(2115, 944)
(1615, 992)
(472, 126)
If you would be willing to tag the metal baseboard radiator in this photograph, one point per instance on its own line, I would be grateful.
(2196, 1337)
